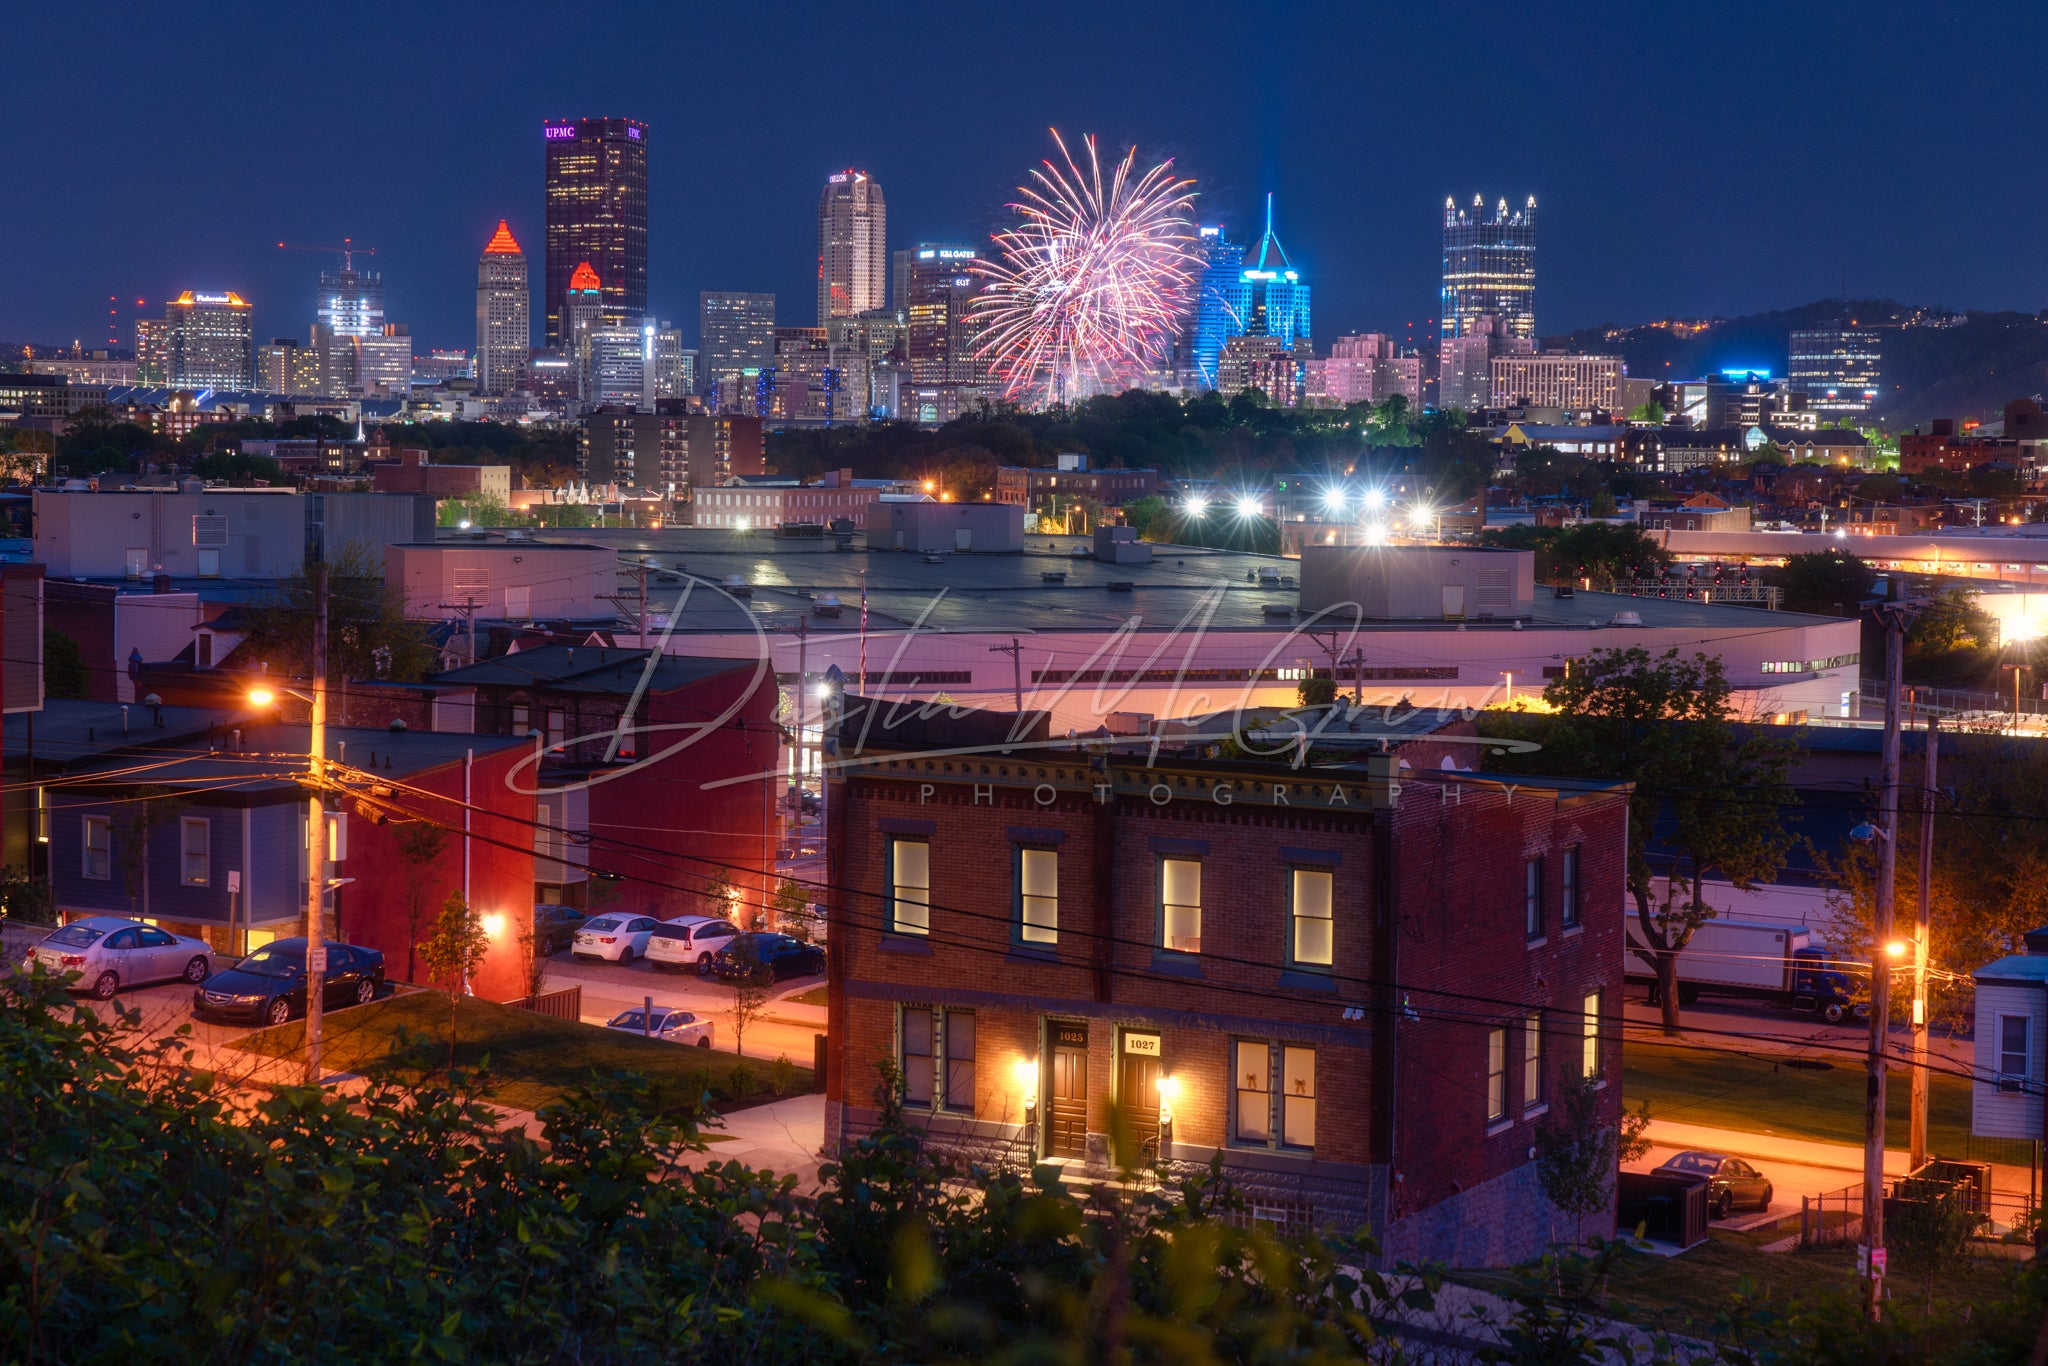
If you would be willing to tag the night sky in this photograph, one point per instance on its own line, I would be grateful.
(1689, 160)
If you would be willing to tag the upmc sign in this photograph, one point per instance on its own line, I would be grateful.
(555, 133)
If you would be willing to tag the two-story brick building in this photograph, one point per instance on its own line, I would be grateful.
(1358, 984)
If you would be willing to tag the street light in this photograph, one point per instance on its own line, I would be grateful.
(1248, 506)
(1335, 499)
(1196, 506)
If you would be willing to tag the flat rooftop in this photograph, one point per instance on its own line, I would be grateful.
(1008, 592)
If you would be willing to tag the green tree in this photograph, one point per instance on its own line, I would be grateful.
(1952, 623)
(477, 509)
(1664, 724)
(419, 844)
(1824, 582)
(1578, 1151)
(368, 633)
(1651, 412)
(751, 983)
(1141, 513)
(140, 815)
(1313, 691)
(64, 668)
(453, 950)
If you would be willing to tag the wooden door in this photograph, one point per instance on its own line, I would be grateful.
(1137, 1093)
(1067, 1134)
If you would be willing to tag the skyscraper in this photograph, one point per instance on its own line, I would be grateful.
(504, 314)
(348, 310)
(1837, 367)
(1489, 267)
(1214, 319)
(1272, 298)
(582, 315)
(934, 285)
(596, 187)
(853, 258)
(736, 333)
(207, 342)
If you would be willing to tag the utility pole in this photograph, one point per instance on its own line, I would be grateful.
(468, 610)
(1922, 920)
(803, 702)
(316, 835)
(1358, 677)
(1872, 1260)
(1016, 654)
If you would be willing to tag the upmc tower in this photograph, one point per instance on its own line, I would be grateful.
(597, 212)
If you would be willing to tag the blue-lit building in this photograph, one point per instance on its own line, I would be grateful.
(1272, 298)
(1215, 319)
(1490, 268)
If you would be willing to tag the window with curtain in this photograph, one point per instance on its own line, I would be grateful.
(1038, 896)
(960, 1060)
(1496, 1075)
(918, 1059)
(1298, 1097)
(910, 886)
(99, 845)
(1254, 1092)
(2015, 1051)
(1589, 1058)
(1180, 904)
(1314, 943)
(1532, 1060)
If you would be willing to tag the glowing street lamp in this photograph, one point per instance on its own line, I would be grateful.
(1196, 506)
(1335, 499)
(1375, 498)
(1249, 506)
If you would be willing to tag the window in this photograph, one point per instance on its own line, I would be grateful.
(1254, 1092)
(99, 838)
(522, 718)
(2015, 1048)
(1038, 896)
(910, 886)
(1589, 1059)
(192, 847)
(918, 1059)
(1496, 1075)
(556, 720)
(1180, 904)
(1532, 899)
(1298, 1097)
(1568, 904)
(1532, 1060)
(960, 1060)
(1314, 893)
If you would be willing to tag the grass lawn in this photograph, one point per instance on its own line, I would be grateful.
(1690, 1086)
(534, 1059)
(1688, 1293)
(816, 996)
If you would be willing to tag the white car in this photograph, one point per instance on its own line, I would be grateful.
(613, 938)
(676, 1026)
(109, 952)
(687, 940)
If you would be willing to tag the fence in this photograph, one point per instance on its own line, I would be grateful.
(566, 1004)
(1951, 701)
(1831, 1217)
(1836, 1217)
(1696, 590)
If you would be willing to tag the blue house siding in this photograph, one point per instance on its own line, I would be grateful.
(77, 893)
(269, 864)
(275, 833)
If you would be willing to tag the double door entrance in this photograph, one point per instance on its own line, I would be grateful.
(1137, 1074)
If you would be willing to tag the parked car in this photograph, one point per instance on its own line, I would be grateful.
(554, 928)
(1731, 1182)
(269, 986)
(109, 952)
(676, 1026)
(767, 957)
(676, 944)
(613, 938)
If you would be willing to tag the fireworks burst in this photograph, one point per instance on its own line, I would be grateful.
(1088, 289)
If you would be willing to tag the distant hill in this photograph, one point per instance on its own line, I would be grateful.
(1936, 363)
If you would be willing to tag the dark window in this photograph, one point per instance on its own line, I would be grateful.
(1568, 901)
(1532, 899)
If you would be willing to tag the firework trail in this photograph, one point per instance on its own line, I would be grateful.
(1088, 289)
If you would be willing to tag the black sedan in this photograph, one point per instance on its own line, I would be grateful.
(765, 957)
(1731, 1182)
(269, 986)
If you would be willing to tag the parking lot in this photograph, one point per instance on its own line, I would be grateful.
(782, 1028)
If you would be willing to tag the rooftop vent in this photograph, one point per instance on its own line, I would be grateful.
(1277, 609)
(1053, 576)
(1627, 619)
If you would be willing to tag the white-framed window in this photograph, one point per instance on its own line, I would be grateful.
(1532, 1060)
(1312, 944)
(1496, 1075)
(194, 861)
(1254, 1086)
(1038, 895)
(1568, 898)
(557, 723)
(1180, 905)
(2015, 1046)
(1275, 1094)
(910, 886)
(1589, 1049)
(1532, 899)
(99, 848)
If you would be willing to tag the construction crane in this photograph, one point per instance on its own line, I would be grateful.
(347, 250)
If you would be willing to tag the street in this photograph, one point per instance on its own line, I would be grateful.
(783, 1028)
(1790, 1030)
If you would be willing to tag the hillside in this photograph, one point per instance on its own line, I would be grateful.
(1936, 364)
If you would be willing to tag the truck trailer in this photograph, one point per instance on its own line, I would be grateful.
(1779, 965)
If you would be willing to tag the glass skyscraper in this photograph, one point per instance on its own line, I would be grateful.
(1215, 319)
(596, 186)
(1489, 267)
(504, 326)
(1272, 298)
(853, 255)
(1837, 367)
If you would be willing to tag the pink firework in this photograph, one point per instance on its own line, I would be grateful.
(1089, 288)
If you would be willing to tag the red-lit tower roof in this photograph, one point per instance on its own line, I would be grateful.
(502, 242)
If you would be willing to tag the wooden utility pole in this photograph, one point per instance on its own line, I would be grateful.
(1922, 921)
(1871, 1262)
(1016, 654)
(316, 835)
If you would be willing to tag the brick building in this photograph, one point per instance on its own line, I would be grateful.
(1358, 983)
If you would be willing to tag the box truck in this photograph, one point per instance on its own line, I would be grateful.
(1779, 965)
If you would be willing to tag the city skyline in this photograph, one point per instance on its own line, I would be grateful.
(745, 219)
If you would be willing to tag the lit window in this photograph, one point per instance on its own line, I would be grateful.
(1589, 1058)
(1254, 1092)
(1276, 1095)
(1298, 1097)
(910, 886)
(1496, 1075)
(98, 848)
(1038, 896)
(192, 844)
(1180, 904)
(1532, 1060)
(1314, 893)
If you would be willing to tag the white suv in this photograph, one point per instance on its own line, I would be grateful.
(676, 944)
(613, 938)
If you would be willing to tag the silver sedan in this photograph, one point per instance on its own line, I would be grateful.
(109, 952)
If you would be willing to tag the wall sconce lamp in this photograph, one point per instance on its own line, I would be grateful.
(1169, 1093)
(1026, 1071)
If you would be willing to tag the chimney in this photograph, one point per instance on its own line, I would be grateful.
(1383, 780)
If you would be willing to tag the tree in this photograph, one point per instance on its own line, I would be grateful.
(1578, 1152)
(452, 951)
(1824, 582)
(64, 668)
(419, 848)
(148, 810)
(1314, 691)
(477, 509)
(1951, 623)
(368, 633)
(1651, 412)
(1140, 513)
(752, 982)
(792, 910)
(1663, 724)
(1930, 1224)
(722, 897)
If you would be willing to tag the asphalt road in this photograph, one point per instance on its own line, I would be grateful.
(1790, 1029)
(609, 988)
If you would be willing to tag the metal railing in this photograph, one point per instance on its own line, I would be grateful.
(1696, 590)
(1926, 701)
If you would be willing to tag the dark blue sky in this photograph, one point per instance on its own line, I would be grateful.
(1689, 159)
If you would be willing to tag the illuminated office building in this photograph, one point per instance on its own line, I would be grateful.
(152, 347)
(736, 334)
(853, 257)
(1214, 318)
(934, 286)
(207, 342)
(504, 314)
(286, 367)
(1272, 298)
(1837, 367)
(1489, 267)
(596, 186)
